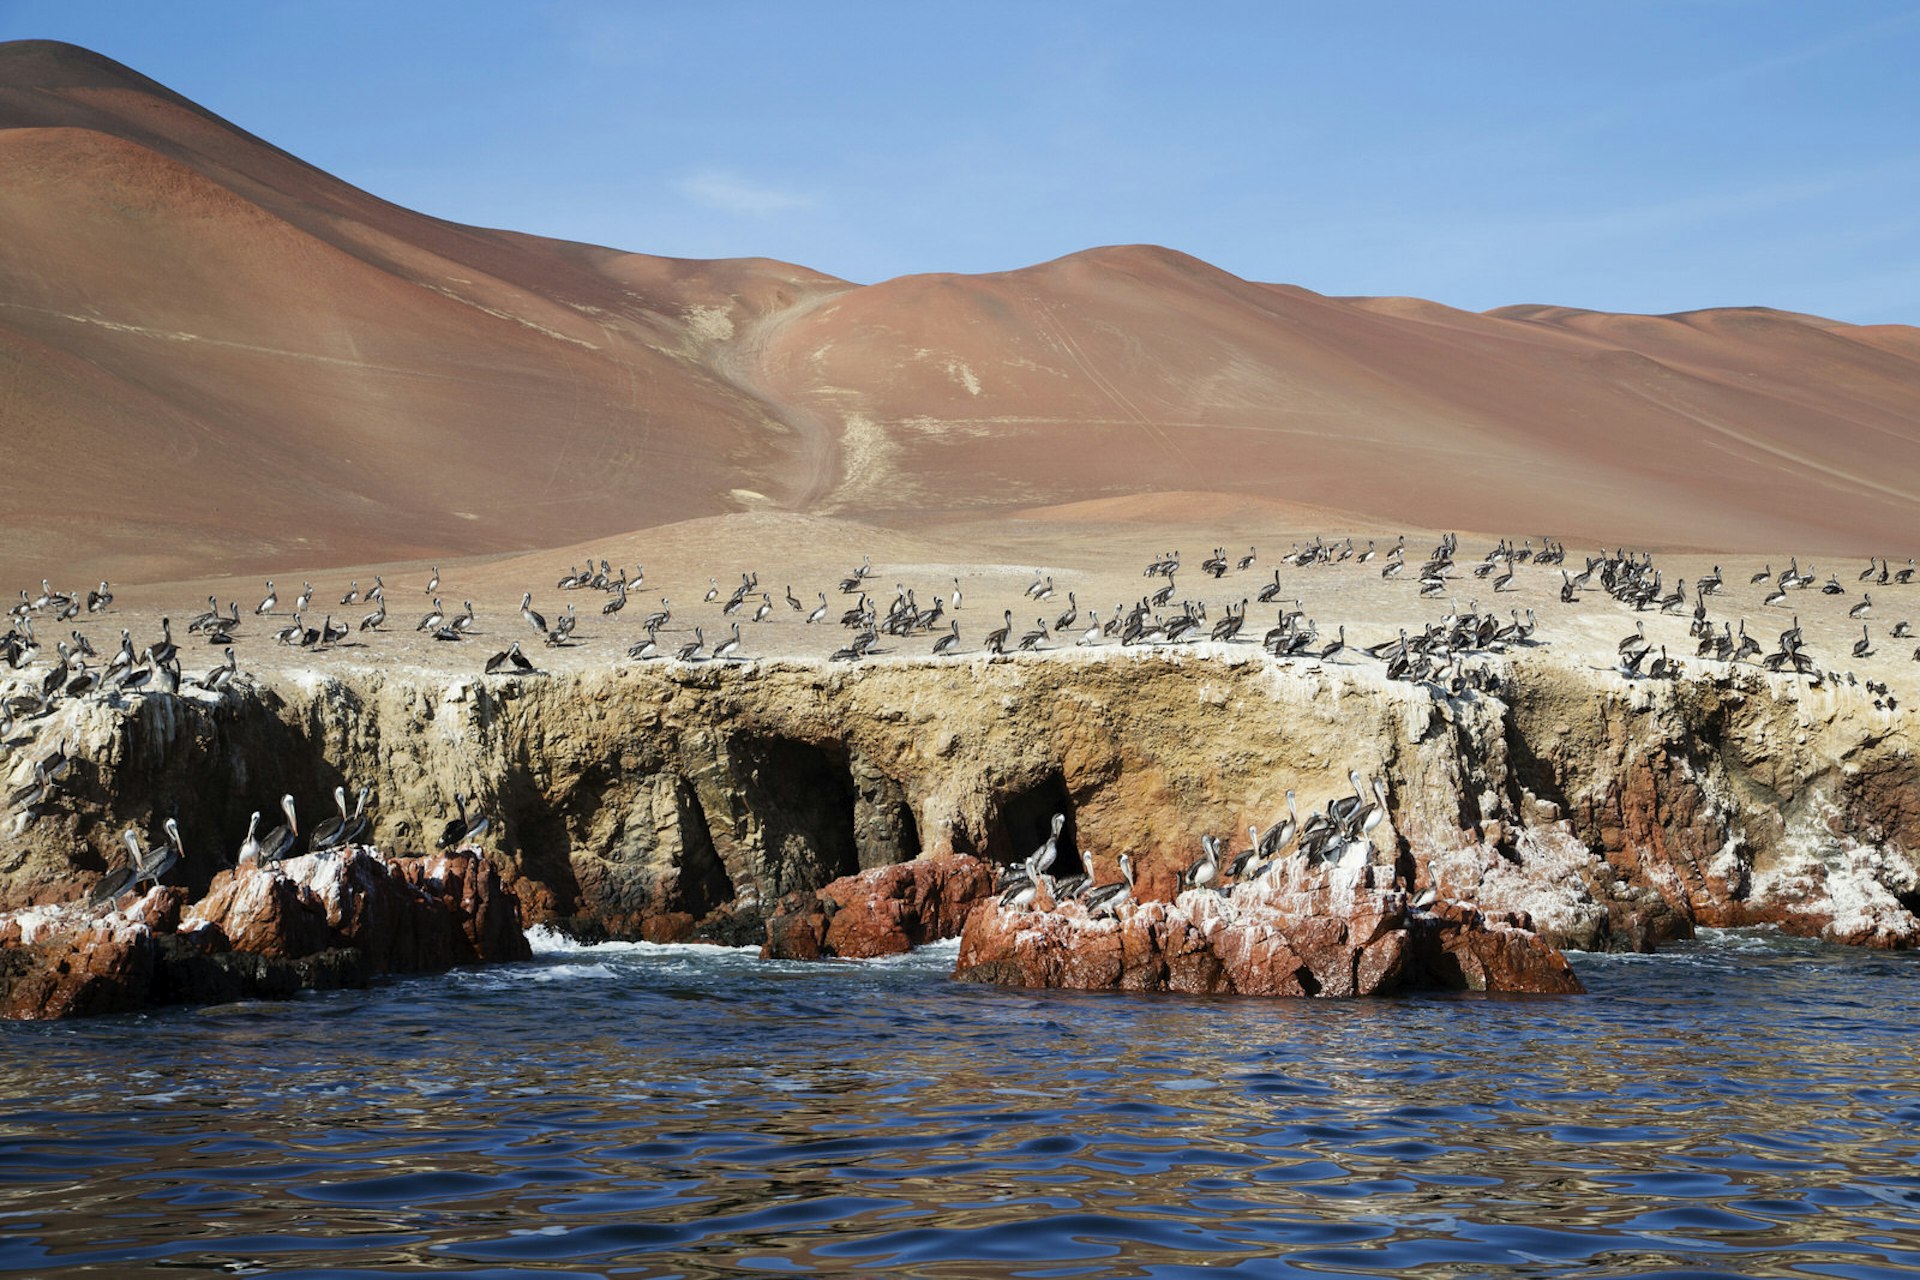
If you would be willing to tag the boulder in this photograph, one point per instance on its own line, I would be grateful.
(467, 890)
(882, 912)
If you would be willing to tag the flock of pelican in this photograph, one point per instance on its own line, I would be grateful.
(1452, 655)
(1338, 834)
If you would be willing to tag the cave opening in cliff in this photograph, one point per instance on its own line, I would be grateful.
(802, 795)
(703, 882)
(1021, 820)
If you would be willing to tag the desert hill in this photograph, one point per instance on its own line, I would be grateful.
(214, 356)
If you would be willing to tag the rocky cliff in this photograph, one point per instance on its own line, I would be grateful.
(670, 801)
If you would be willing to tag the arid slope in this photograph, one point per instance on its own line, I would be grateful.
(214, 357)
(212, 354)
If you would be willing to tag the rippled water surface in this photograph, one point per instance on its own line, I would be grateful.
(1746, 1105)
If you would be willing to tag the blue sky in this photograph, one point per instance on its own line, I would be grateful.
(1622, 156)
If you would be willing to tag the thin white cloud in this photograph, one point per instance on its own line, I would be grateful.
(731, 193)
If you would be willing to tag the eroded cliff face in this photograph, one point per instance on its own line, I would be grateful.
(665, 802)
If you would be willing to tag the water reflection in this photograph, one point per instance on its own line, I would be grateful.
(1742, 1105)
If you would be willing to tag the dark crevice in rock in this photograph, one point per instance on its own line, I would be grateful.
(802, 796)
(884, 827)
(701, 882)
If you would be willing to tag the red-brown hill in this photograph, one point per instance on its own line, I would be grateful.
(214, 356)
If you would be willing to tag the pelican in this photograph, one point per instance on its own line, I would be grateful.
(1862, 609)
(83, 681)
(1042, 858)
(463, 829)
(946, 643)
(328, 833)
(138, 677)
(266, 606)
(36, 792)
(534, 619)
(1205, 870)
(997, 638)
(1343, 808)
(1243, 867)
(164, 652)
(433, 619)
(376, 619)
(1107, 899)
(690, 651)
(510, 656)
(1020, 893)
(1275, 839)
(126, 657)
(728, 647)
(433, 583)
(820, 612)
(644, 649)
(1372, 813)
(279, 842)
(250, 847)
(143, 865)
(353, 594)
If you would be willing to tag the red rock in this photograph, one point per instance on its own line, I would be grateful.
(331, 919)
(881, 912)
(797, 931)
(104, 968)
(1313, 934)
(265, 913)
(469, 890)
(1455, 945)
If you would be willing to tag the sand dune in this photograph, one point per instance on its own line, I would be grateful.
(214, 357)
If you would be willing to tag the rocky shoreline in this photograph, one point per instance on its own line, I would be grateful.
(681, 802)
(340, 918)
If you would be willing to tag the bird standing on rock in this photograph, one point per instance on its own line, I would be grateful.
(464, 828)
(1204, 870)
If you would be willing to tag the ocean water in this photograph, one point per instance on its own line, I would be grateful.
(1745, 1105)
